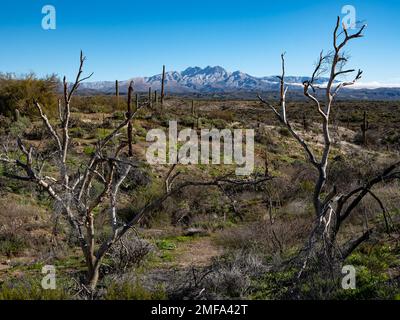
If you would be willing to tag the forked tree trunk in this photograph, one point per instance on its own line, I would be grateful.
(93, 276)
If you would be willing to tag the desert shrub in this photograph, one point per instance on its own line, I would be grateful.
(17, 128)
(130, 288)
(5, 122)
(31, 289)
(283, 131)
(19, 92)
(219, 123)
(138, 199)
(16, 225)
(369, 285)
(77, 132)
(391, 138)
(89, 150)
(225, 115)
(187, 121)
(129, 252)
(272, 285)
(136, 179)
(11, 244)
(230, 282)
(119, 115)
(229, 277)
(95, 104)
(165, 245)
(35, 133)
(265, 138)
(264, 239)
(232, 275)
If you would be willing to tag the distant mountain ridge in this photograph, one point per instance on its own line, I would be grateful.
(212, 80)
(196, 79)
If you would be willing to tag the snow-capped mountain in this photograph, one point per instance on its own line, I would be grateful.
(196, 79)
(217, 80)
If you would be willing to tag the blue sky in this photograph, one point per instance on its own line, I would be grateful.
(123, 39)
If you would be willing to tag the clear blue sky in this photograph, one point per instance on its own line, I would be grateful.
(122, 39)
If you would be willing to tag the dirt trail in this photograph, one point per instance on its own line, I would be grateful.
(199, 253)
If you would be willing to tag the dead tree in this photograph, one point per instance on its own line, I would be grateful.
(74, 189)
(334, 207)
(129, 116)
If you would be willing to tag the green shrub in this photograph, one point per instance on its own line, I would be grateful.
(166, 245)
(19, 93)
(11, 244)
(31, 289)
(89, 150)
(283, 131)
(133, 291)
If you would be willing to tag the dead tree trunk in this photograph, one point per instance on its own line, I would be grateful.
(331, 208)
(129, 116)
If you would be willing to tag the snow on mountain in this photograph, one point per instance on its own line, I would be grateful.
(201, 80)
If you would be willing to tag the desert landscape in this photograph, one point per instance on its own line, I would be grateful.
(84, 215)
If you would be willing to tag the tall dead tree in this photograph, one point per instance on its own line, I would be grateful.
(129, 116)
(332, 207)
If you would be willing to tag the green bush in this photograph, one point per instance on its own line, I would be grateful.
(133, 291)
(11, 244)
(31, 289)
(19, 93)
(166, 245)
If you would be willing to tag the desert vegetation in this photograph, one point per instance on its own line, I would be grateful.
(77, 193)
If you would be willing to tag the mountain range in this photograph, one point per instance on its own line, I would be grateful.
(217, 80)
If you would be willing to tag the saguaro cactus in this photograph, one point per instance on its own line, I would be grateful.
(364, 128)
(117, 93)
(193, 110)
(129, 115)
(305, 123)
(150, 99)
(162, 86)
(17, 115)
